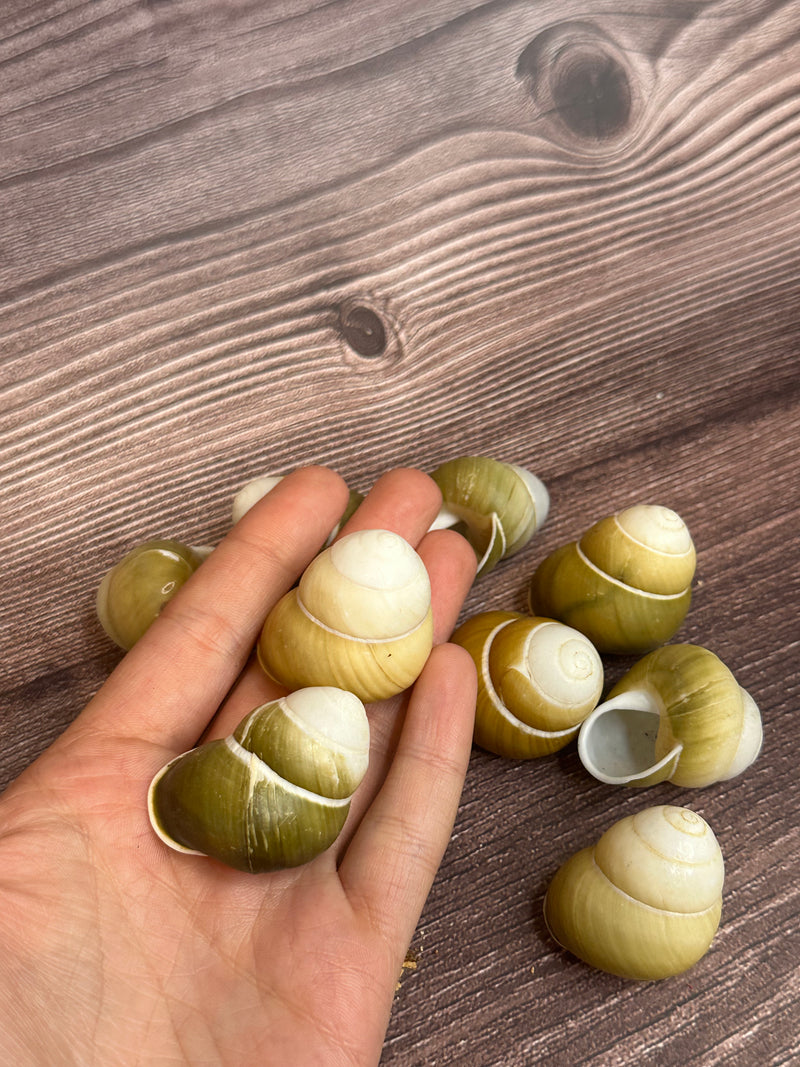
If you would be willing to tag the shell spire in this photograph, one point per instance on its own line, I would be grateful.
(645, 901)
(626, 583)
(360, 619)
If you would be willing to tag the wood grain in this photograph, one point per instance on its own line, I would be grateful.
(567, 236)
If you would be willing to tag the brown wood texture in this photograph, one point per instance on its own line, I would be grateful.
(238, 237)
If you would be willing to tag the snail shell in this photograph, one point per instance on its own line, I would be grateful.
(360, 619)
(133, 593)
(678, 715)
(537, 681)
(276, 792)
(498, 505)
(626, 583)
(645, 901)
(254, 490)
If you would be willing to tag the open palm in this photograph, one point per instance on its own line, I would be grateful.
(117, 949)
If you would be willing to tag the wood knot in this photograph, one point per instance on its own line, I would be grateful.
(368, 331)
(362, 329)
(580, 79)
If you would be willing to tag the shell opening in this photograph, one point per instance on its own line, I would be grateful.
(617, 742)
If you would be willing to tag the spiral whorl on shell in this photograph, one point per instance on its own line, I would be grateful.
(537, 681)
(645, 901)
(678, 715)
(626, 583)
(499, 505)
(133, 593)
(276, 792)
(360, 619)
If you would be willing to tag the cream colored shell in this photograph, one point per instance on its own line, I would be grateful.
(645, 902)
(360, 619)
(626, 583)
(276, 792)
(537, 681)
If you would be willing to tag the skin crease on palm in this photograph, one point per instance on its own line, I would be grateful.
(118, 950)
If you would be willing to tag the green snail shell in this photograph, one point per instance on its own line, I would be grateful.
(276, 792)
(626, 583)
(499, 505)
(645, 902)
(537, 681)
(360, 619)
(133, 593)
(677, 715)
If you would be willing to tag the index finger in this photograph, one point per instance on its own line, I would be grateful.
(172, 681)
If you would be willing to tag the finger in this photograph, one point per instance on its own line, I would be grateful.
(173, 680)
(451, 564)
(390, 864)
(405, 501)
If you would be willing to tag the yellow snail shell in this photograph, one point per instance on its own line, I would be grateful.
(500, 505)
(645, 901)
(276, 792)
(360, 619)
(626, 583)
(678, 715)
(133, 593)
(537, 681)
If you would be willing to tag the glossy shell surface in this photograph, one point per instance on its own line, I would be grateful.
(626, 583)
(644, 902)
(276, 792)
(537, 681)
(360, 619)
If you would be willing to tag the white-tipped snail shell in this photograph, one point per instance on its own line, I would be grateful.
(678, 715)
(254, 490)
(499, 505)
(275, 793)
(360, 619)
(133, 593)
(645, 901)
(537, 681)
(626, 583)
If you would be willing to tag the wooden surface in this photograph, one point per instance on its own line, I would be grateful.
(239, 236)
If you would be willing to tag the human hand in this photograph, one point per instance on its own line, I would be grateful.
(118, 950)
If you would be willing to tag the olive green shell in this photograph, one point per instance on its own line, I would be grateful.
(134, 592)
(677, 715)
(645, 902)
(274, 794)
(500, 506)
(626, 583)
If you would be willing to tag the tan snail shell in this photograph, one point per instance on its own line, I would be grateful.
(275, 793)
(499, 505)
(537, 681)
(626, 583)
(133, 593)
(678, 715)
(645, 901)
(360, 619)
